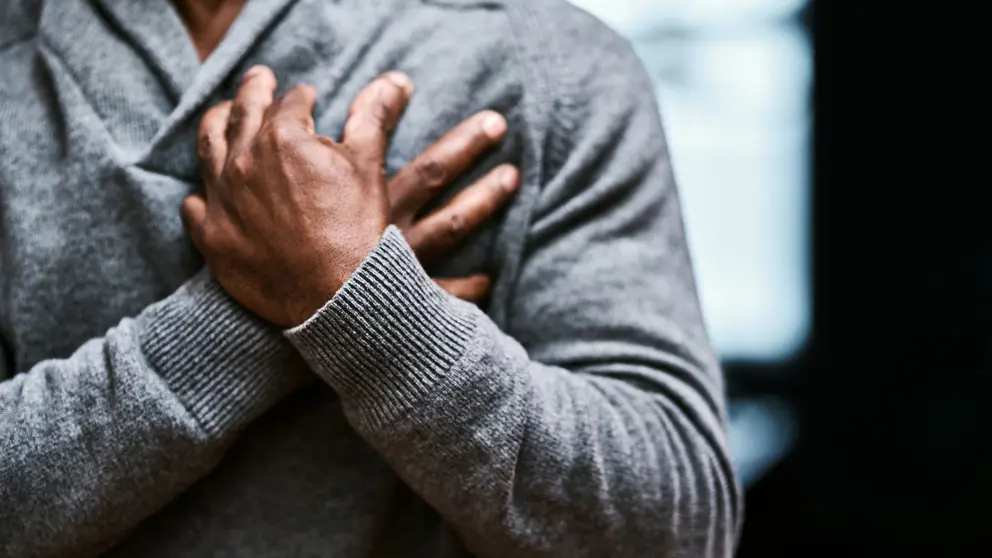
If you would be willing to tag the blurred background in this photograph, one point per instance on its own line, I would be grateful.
(853, 341)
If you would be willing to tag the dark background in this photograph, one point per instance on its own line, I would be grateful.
(892, 457)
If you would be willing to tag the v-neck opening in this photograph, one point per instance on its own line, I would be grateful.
(255, 18)
(156, 28)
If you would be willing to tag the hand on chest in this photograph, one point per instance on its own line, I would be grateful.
(129, 116)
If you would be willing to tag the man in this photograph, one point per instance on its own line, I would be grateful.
(312, 392)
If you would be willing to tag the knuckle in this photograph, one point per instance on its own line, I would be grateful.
(384, 114)
(204, 145)
(278, 134)
(349, 168)
(222, 237)
(240, 168)
(456, 226)
(431, 172)
(212, 239)
(379, 112)
(215, 119)
(353, 126)
(362, 126)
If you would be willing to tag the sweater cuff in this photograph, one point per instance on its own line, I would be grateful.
(388, 337)
(226, 365)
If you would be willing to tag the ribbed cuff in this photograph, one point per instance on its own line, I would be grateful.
(226, 365)
(388, 337)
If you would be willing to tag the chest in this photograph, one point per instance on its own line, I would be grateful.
(97, 152)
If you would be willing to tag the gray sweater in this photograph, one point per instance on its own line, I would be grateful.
(144, 413)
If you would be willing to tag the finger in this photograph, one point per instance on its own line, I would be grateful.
(253, 99)
(474, 288)
(295, 108)
(194, 215)
(422, 179)
(374, 115)
(211, 143)
(436, 234)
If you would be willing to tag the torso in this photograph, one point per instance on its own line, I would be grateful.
(91, 234)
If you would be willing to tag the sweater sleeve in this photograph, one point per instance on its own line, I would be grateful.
(92, 444)
(594, 424)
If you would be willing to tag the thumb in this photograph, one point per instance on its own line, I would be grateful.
(194, 215)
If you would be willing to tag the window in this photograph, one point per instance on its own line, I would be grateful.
(733, 81)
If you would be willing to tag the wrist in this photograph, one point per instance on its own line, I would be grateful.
(324, 285)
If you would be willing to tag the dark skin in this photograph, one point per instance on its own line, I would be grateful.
(209, 20)
(289, 215)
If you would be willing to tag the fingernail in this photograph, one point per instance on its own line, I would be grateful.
(401, 80)
(508, 178)
(494, 125)
(252, 72)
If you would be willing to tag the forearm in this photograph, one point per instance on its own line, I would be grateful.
(96, 442)
(523, 459)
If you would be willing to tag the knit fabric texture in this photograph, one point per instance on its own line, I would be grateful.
(144, 413)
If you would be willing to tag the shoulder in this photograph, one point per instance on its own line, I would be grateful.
(578, 69)
(558, 32)
(597, 86)
(566, 24)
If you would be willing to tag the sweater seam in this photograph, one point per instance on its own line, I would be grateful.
(532, 61)
(562, 103)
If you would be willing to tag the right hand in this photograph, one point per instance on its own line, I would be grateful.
(426, 176)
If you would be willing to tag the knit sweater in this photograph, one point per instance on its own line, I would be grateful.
(145, 413)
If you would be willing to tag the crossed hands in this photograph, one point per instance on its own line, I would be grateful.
(287, 216)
